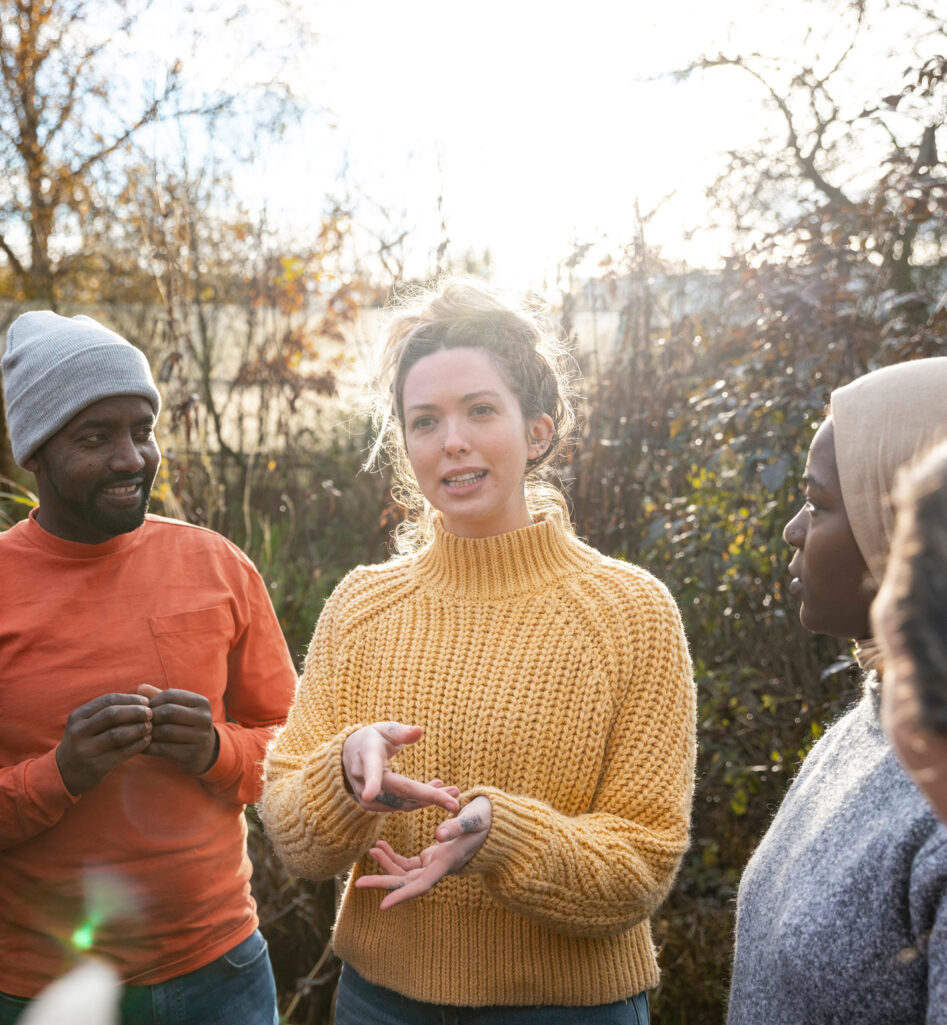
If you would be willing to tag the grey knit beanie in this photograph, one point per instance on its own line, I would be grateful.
(56, 366)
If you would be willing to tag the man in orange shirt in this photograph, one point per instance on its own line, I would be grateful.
(142, 673)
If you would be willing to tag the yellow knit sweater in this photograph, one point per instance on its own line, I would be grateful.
(551, 679)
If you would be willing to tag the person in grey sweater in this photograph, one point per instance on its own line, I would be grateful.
(842, 910)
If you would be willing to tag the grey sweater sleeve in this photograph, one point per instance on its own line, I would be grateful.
(842, 911)
(928, 910)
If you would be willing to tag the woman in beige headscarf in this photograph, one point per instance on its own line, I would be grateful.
(842, 911)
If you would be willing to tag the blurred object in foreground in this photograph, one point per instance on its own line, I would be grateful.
(88, 995)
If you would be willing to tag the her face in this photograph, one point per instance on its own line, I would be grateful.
(829, 573)
(468, 442)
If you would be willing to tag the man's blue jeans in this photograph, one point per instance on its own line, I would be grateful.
(236, 989)
(360, 1002)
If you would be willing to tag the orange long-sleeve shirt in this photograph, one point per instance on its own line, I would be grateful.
(150, 868)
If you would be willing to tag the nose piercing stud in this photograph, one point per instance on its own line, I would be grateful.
(442, 446)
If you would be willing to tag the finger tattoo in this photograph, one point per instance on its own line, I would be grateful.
(469, 825)
(393, 801)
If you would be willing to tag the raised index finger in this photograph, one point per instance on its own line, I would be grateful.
(423, 793)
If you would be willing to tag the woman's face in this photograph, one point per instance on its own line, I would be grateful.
(468, 442)
(923, 752)
(829, 573)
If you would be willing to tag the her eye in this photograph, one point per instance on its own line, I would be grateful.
(422, 423)
(482, 409)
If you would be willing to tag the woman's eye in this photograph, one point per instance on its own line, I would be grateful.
(482, 410)
(422, 423)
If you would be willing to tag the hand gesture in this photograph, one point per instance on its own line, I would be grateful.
(182, 728)
(99, 736)
(365, 756)
(458, 840)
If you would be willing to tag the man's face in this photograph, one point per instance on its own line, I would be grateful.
(94, 476)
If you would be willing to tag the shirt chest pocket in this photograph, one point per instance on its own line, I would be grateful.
(194, 647)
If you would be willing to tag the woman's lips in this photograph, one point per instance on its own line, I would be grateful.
(463, 481)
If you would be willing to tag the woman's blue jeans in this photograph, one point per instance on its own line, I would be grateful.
(360, 1002)
(236, 989)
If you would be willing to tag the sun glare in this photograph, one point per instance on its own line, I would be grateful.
(516, 129)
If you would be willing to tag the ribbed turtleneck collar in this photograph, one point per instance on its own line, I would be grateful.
(521, 561)
(42, 538)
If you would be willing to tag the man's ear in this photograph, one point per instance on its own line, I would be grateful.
(31, 464)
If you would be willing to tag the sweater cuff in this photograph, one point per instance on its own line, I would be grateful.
(327, 799)
(510, 825)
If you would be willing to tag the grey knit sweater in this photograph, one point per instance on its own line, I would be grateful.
(842, 910)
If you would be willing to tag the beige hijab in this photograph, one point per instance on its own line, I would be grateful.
(883, 421)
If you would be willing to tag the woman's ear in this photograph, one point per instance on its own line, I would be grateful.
(541, 432)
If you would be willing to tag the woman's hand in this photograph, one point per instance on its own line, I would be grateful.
(365, 756)
(458, 840)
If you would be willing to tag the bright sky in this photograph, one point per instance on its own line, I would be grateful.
(539, 123)
(537, 120)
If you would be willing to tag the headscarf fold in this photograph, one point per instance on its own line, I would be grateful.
(883, 421)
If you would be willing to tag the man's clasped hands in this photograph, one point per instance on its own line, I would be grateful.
(105, 732)
(365, 757)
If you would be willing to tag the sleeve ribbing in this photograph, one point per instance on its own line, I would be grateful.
(315, 825)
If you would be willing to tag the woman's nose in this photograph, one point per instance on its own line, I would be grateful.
(454, 441)
(794, 533)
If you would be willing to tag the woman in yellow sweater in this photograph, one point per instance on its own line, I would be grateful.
(523, 842)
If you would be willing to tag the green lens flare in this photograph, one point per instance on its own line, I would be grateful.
(83, 936)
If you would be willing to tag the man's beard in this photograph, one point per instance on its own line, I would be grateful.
(111, 523)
